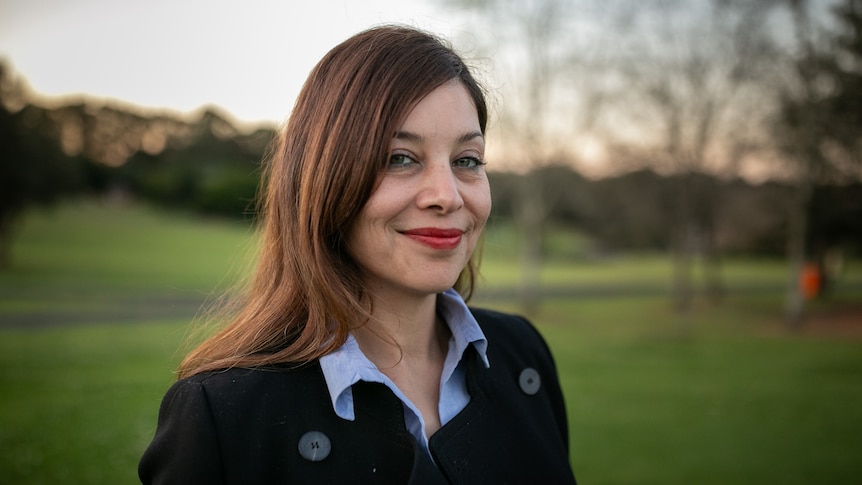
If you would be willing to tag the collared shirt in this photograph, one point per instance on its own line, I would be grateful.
(348, 365)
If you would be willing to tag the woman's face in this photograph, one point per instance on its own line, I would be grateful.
(420, 226)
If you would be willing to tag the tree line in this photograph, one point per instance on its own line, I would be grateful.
(210, 167)
(203, 165)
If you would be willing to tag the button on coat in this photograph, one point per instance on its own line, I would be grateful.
(530, 381)
(314, 446)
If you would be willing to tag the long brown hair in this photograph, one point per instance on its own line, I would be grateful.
(306, 294)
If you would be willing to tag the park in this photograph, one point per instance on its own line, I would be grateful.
(104, 298)
(676, 207)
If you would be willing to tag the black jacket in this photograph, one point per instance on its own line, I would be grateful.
(245, 426)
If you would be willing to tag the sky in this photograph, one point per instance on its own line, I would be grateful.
(249, 57)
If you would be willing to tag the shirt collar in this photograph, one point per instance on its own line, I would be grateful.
(347, 365)
(463, 325)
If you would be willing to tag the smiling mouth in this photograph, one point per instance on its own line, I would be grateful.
(436, 238)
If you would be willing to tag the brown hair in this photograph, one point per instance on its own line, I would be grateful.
(306, 294)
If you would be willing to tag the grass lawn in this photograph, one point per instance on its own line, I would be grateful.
(726, 395)
(79, 403)
(721, 398)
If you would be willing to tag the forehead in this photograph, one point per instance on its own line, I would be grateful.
(448, 107)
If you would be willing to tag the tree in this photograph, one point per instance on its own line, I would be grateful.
(33, 168)
(846, 100)
(692, 72)
(214, 170)
(818, 128)
(540, 62)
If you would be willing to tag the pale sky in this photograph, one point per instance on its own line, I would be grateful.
(249, 57)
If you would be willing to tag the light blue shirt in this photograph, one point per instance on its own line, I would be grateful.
(348, 365)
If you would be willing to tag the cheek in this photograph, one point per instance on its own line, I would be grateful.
(387, 200)
(481, 203)
(368, 229)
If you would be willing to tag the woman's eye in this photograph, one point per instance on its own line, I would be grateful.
(468, 162)
(400, 161)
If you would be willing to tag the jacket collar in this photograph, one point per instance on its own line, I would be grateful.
(347, 365)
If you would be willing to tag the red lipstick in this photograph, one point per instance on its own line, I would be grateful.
(435, 237)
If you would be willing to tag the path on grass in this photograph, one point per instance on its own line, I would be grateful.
(126, 308)
(102, 310)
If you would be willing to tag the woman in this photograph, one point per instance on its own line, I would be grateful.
(354, 359)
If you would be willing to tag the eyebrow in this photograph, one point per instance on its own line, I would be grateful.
(410, 136)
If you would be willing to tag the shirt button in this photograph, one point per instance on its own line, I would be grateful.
(530, 381)
(314, 446)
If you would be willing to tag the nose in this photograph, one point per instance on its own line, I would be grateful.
(440, 190)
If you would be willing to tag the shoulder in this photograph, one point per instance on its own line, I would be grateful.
(252, 376)
(237, 425)
(249, 376)
(514, 339)
(239, 389)
(505, 326)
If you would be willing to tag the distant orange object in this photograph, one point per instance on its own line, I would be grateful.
(810, 281)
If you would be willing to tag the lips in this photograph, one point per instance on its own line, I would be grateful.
(435, 237)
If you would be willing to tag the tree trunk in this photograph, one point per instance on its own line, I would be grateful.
(681, 284)
(794, 303)
(710, 195)
(531, 216)
(681, 248)
(5, 241)
(712, 273)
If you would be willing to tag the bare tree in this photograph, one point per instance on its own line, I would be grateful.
(540, 58)
(815, 132)
(691, 71)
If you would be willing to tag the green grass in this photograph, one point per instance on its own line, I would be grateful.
(80, 403)
(124, 246)
(89, 255)
(571, 261)
(725, 395)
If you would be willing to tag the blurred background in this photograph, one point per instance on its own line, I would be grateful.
(677, 195)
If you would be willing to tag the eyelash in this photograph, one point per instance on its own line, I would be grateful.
(476, 162)
(402, 157)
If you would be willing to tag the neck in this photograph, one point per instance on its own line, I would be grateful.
(404, 329)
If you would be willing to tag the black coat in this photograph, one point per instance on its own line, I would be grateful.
(246, 426)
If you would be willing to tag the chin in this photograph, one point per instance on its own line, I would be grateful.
(433, 288)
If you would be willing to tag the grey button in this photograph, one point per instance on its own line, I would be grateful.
(530, 381)
(314, 446)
